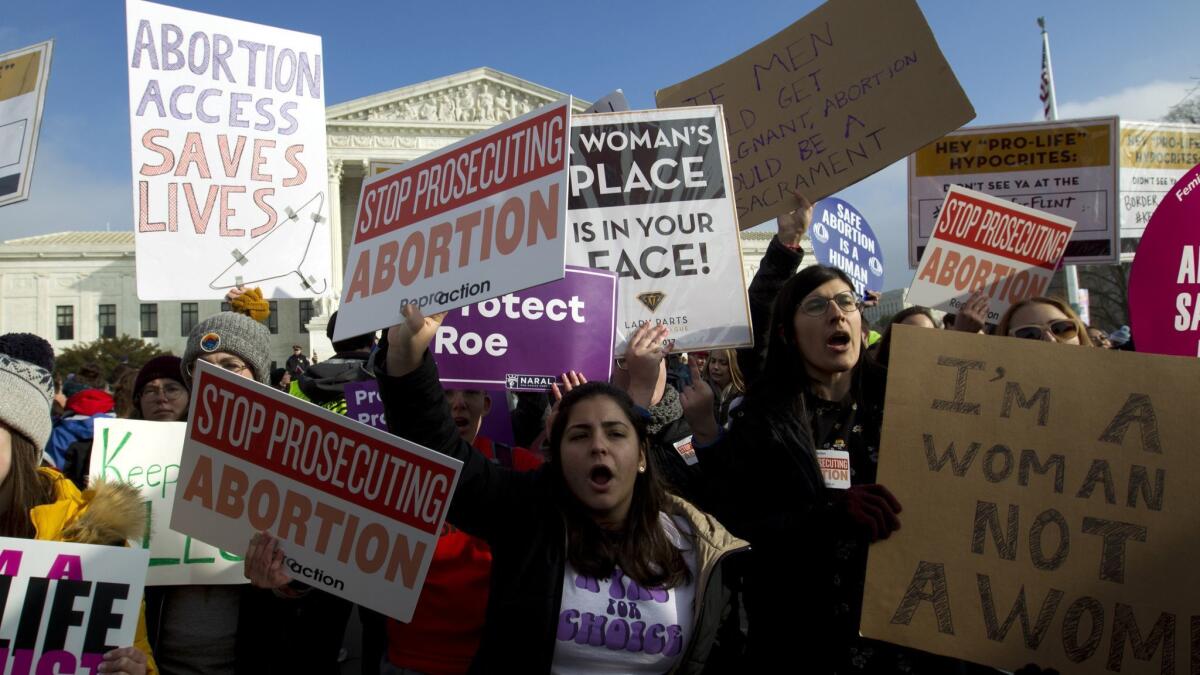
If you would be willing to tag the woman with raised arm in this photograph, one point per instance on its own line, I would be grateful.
(818, 399)
(595, 568)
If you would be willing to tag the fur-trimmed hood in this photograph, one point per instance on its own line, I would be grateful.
(108, 513)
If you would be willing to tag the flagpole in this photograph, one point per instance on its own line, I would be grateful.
(1050, 102)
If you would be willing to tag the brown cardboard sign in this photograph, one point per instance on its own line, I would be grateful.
(1051, 503)
(828, 101)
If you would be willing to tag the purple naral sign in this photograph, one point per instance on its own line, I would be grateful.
(523, 341)
(1164, 284)
(364, 405)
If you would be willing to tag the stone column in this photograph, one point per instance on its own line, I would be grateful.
(334, 203)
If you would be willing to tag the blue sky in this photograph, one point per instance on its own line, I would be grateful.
(1109, 58)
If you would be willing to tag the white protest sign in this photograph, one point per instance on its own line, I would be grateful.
(1067, 168)
(473, 221)
(146, 455)
(651, 201)
(23, 76)
(357, 510)
(1153, 156)
(227, 122)
(65, 605)
(979, 241)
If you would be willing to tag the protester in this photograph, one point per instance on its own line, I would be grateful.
(1099, 338)
(910, 316)
(325, 383)
(73, 432)
(447, 626)
(817, 394)
(721, 371)
(39, 502)
(297, 363)
(281, 379)
(1041, 318)
(122, 392)
(594, 511)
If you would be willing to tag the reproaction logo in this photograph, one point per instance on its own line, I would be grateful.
(320, 576)
(529, 382)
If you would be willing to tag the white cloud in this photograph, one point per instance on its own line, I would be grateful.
(1140, 102)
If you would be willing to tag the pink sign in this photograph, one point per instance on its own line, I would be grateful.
(1164, 285)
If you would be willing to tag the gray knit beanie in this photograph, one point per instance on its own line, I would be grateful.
(235, 334)
(26, 386)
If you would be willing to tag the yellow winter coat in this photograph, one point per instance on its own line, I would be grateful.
(108, 514)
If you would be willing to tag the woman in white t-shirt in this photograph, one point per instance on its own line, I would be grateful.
(595, 568)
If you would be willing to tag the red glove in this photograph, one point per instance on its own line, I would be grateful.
(873, 508)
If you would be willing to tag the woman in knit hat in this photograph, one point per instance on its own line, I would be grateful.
(39, 502)
(159, 392)
(232, 341)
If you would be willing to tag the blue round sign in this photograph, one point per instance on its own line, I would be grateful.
(841, 238)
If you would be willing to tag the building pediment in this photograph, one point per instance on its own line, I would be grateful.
(475, 99)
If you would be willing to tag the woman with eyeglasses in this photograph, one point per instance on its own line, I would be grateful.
(1047, 319)
(818, 402)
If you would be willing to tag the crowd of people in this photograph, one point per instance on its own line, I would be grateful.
(602, 547)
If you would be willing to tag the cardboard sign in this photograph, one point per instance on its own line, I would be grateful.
(1068, 168)
(475, 220)
(828, 101)
(357, 511)
(227, 120)
(984, 242)
(146, 455)
(364, 405)
(842, 238)
(523, 342)
(65, 605)
(1051, 500)
(23, 76)
(1164, 284)
(1153, 156)
(650, 200)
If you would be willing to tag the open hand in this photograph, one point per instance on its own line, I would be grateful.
(792, 226)
(697, 400)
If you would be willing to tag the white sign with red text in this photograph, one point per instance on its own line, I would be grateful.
(473, 221)
(357, 511)
(980, 241)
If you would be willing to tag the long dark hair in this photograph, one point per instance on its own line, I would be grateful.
(884, 353)
(784, 377)
(642, 547)
(29, 489)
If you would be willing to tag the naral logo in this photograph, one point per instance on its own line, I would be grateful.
(531, 382)
(651, 299)
(318, 575)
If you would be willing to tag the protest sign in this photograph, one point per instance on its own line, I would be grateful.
(23, 76)
(66, 605)
(831, 99)
(614, 102)
(842, 238)
(1051, 499)
(980, 241)
(229, 174)
(1164, 284)
(1068, 168)
(1153, 156)
(472, 221)
(146, 455)
(524, 342)
(357, 511)
(364, 405)
(650, 200)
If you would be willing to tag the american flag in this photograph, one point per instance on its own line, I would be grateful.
(1047, 91)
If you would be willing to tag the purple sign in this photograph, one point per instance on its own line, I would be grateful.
(364, 405)
(1164, 284)
(523, 341)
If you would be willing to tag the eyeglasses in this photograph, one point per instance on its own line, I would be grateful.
(816, 306)
(1061, 330)
(171, 391)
